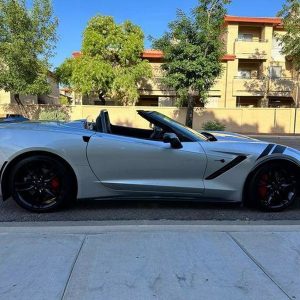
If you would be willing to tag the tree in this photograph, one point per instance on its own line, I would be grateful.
(290, 41)
(193, 48)
(110, 63)
(27, 41)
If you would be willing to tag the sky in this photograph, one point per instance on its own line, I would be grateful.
(153, 16)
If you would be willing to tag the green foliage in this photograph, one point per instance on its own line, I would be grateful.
(110, 64)
(291, 22)
(27, 39)
(64, 72)
(63, 100)
(53, 115)
(193, 48)
(214, 126)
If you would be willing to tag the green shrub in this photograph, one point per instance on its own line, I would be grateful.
(214, 126)
(63, 100)
(54, 115)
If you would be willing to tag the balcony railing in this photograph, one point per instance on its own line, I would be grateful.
(258, 86)
(246, 78)
(253, 40)
(251, 49)
(262, 78)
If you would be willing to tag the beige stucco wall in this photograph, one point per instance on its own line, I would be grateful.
(243, 120)
(4, 97)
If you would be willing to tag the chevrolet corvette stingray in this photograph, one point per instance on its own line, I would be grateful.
(46, 165)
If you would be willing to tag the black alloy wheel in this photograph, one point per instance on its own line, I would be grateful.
(42, 184)
(274, 186)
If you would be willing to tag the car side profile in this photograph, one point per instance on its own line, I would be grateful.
(46, 165)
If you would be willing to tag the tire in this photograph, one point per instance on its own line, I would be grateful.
(42, 184)
(273, 186)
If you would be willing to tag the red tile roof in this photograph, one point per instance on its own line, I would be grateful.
(152, 54)
(228, 57)
(236, 19)
(157, 54)
(149, 53)
(76, 54)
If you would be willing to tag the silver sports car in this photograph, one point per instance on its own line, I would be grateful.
(45, 165)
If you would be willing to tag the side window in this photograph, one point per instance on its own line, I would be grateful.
(275, 72)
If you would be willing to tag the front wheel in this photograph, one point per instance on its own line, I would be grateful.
(41, 184)
(274, 186)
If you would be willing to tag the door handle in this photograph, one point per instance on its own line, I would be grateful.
(221, 160)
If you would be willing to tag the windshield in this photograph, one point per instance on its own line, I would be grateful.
(188, 131)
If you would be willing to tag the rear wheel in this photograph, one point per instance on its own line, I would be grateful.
(41, 183)
(273, 187)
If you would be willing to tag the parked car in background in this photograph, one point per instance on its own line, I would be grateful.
(13, 118)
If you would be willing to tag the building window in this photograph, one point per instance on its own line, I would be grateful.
(275, 72)
(148, 101)
(244, 74)
(247, 37)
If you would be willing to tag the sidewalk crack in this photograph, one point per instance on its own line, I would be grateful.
(73, 266)
(258, 265)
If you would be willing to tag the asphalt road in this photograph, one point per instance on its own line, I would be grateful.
(152, 210)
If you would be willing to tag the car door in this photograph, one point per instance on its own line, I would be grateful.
(132, 164)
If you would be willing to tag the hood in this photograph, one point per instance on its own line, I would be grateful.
(227, 136)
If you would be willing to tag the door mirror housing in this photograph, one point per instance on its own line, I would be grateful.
(173, 139)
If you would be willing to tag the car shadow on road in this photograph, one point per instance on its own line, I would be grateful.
(118, 210)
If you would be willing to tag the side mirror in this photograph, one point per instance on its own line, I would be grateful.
(173, 139)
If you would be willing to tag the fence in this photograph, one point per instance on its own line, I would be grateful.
(242, 120)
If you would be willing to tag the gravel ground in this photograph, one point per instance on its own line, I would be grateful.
(153, 210)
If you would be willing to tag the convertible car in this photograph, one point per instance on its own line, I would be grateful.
(46, 165)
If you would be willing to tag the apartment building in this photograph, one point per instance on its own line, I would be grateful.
(7, 98)
(256, 73)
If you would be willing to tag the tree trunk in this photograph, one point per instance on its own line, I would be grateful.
(190, 112)
(102, 98)
(265, 99)
(297, 91)
(18, 100)
(20, 103)
(264, 102)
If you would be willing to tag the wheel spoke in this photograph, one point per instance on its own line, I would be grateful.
(24, 186)
(33, 184)
(49, 192)
(49, 179)
(277, 187)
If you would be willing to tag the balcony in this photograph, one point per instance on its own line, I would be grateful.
(282, 87)
(248, 87)
(155, 86)
(251, 49)
(216, 89)
(279, 87)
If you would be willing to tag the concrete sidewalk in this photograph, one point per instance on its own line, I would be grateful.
(150, 262)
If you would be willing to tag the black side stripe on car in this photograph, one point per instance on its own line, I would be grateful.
(279, 149)
(266, 151)
(226, 168)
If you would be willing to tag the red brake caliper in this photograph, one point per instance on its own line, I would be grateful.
(55, 184)
(263, 190)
